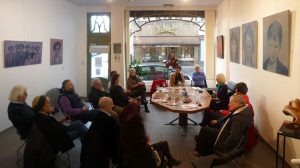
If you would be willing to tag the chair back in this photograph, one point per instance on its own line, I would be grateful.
(231, 87)
(104, 82)
(38, 151)
(53, 94)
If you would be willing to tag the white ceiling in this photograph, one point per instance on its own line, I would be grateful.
(146, 2)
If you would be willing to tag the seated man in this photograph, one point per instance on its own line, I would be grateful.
(97, 91)
(19, 113)
(71, 103)
(101, 142)
(177, 78)
(235, 127)
(23, 116)
(136, 87)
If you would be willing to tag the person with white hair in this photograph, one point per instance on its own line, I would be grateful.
(97, 91)
(221, 99)
(19, 112)
(199, 78)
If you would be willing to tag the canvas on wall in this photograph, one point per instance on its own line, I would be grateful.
(276, 43)
(20, 53)
(249, 32)
(220, 47)
(235, 45)
(56, 51)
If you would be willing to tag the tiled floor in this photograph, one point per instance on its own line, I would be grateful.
(180, 142)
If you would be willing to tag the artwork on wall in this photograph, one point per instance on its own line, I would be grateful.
(235, 45)
(276, 43)
(249, 32)
(56, 51)
(220, 47)
(20, 53)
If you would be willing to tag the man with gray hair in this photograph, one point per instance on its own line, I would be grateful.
(97, 91)
(136, 87)
(19, 113)
(226, 139)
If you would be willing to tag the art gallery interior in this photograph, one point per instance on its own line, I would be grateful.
(67, 20)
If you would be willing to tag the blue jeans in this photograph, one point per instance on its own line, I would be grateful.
(76, 129)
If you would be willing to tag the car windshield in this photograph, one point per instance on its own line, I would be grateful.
(154, 73)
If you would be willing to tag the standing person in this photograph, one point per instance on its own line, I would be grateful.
(71, 103)
(56, 58)
(199, 78)
(136, 87)
(274, 39)
(101, 142)
(177, 78)
(19, 112)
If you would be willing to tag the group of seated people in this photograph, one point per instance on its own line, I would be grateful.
(117, 132)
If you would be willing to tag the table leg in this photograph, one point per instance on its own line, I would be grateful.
(283, 152)
(277, 144)
(183, 119)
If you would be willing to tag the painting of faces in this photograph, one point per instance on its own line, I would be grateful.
(20, 53)
(249, 57)
(56, 51)
(220, 51)
(235, 45)
(276, 43)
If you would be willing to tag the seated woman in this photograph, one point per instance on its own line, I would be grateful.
(221, 99)
(118, 95)
(199, 78)
(136, 146)
(177, 78)
(53, 131)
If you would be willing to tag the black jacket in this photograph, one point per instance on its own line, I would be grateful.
(118, 96)
(95, 95)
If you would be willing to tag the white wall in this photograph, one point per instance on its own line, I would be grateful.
(268, 92)
(37, 20)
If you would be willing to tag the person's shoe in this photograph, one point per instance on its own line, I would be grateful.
(195, 155)
(174, 162)
(146, 107)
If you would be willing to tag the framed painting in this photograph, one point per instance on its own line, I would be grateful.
(276, 43)
(56, 51)
(235, 45)
(249, 57)
(220, 46)
(20, 53)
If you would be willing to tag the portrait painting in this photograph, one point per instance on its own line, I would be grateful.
(56, 51)
(276, 43)
(220, 47)
(235, 45)
(249, 37)
(20, 53)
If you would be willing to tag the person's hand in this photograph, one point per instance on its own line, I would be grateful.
(84, 109)
(141, 83)
(213, 122)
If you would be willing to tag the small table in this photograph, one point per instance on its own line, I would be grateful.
(285, 132)
(183, 109)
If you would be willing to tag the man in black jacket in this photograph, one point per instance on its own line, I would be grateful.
(97, 91)
(101, 142)
(226, 139)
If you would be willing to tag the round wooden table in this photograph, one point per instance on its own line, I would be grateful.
(200, 100)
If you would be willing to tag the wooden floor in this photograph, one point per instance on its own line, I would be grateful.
(181, 142)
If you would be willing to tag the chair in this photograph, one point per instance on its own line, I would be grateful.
(19, 153)
(205, 84)
(39, 151)
(155, 84)
(231, 87)
(53, 94)
(104, 82)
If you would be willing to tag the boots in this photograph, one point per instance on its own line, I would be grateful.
(145, 103)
